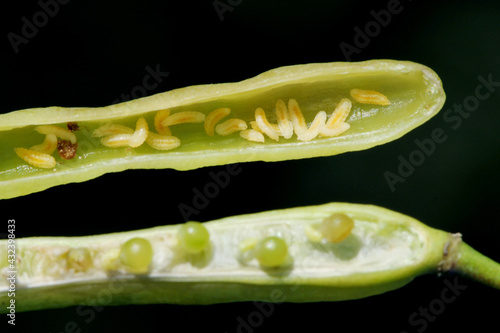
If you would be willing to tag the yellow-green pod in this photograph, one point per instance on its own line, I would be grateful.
(384, 251)
(388, 98)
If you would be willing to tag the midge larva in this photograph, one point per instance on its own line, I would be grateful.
(230, 126)
(213, 118)
(250, 255)
(183, 117)
(252, 135)
(312, 132)
(285, 125)
(369, 97)
(60, 132)
(36, 158)
(264, 125)
(140, 133)
(162, 142)
(116, 140)
(333, 88)
(111, 129)
(159, 118)
(340, 113)
(296, 116)
(48, 146)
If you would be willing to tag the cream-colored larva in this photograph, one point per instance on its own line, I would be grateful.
(252, 135)
(296, 116)
(159, 118)
(116, 140)
(36, 158)
(162, 142)
(140, 133)
(369, 97)
(313, 131)
(284, 124)
(231, 126)
(334, 131)
(111, 129)
(340, 114)
(336, 124)
(183, 117)
(263, 124)
(48, 146)
(62, 133)
(213, 118)
(256, 127)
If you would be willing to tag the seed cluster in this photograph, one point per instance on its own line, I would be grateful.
(289, 117)
(135, 255)
(40, 156)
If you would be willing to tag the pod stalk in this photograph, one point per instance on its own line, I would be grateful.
(477, 266)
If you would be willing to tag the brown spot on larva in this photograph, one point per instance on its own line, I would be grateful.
(73, 126)
(66, 149)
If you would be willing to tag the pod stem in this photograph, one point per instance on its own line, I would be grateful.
(478, 267)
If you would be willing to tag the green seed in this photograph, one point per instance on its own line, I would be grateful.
(136, 254)
(193, 237)
(271, 251)
(79, 259)
(336, 227)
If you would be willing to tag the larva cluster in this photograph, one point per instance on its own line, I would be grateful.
(40, 156)
(289, 120)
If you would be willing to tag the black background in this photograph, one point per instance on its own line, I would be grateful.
(92, 52)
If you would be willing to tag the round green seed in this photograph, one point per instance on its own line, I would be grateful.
(137, 254)
(271, 251)
(336, 227)
(79, 259)
(193, 237)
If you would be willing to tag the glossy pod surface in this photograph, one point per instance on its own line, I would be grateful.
(414, 92)
(384, 251)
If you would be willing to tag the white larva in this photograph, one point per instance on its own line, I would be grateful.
(369, 97)
(183, 117)
(231, 126)
(252, 135)
(36, 158)
(140, 134)
(284, 124)
(263, 124)
(213, 118)
(48, 146)
(162, 142)
(111, 129)
(62, 133)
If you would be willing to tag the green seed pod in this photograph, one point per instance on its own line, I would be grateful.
(286, 113)
(384, 251)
